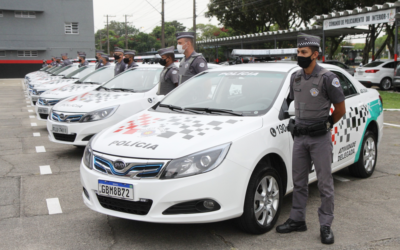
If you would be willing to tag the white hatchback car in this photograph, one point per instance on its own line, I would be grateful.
(76, 119)
(87, 83)
(380, 73)
(217, 148)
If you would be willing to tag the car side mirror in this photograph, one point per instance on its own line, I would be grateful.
(291, 109)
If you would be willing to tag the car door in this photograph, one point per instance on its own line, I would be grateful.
(347, 132)
(387, 70)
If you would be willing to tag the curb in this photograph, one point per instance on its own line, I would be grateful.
(391, 109)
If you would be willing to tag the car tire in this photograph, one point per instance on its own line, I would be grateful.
(263, 200)
(366, 163)
(385, 84)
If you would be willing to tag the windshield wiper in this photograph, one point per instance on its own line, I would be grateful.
(101, 87)
(91, 83)
(78, 82)
(171, 107)
(211, 110)
(122, 89)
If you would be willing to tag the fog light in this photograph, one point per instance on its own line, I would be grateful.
(209, 204)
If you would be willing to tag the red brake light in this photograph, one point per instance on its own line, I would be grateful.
(380, 98)
(372, 71)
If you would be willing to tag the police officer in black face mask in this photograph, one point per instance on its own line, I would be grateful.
(313, 89)
(82, 59)
(128, 60)
(169, 77)
(119, 61)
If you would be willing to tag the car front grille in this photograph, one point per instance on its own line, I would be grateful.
(64, 137)
(43, 102)
(124, 206)
(44, 116)
(66, 117)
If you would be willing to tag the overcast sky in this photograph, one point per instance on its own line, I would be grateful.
(145, 17)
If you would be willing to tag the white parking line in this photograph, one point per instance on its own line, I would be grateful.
(33, 124)
(30, 110)
(53, 205)
(36, 134)
(32, 116)
(28, 106)
(393, 125)
(340, 178)
(45, 169)
(40, 149)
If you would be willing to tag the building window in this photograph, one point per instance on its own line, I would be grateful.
(2, 53)
(1, 13)
(25, 14)
(71, 28)
(27, 53)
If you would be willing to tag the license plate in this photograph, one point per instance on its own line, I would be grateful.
(34, 99)
(115, 189)
(60, 129)
(360, 72)
(43, 111)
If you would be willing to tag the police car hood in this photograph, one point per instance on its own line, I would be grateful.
(155, 135)
(95, 100)
(40, 81)
(68, 90)
(54, 84)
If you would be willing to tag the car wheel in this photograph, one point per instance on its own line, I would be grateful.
(385, 84)
(263, 200)
(365, 165)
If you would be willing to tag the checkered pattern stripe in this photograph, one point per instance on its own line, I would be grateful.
(74, 88)
(308, 44)
(187, 127)
(96, 97)
(354, 119)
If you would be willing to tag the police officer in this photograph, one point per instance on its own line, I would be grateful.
(98, 58)
(128, 60)
(119, 61)
(313, 89)
(82, 59)
(66, 61)
(53, 61)
(58, 61)
(105, 60)
(193, 63)
(169, 78)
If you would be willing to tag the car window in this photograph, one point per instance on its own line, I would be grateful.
(389, 65)
(398, 69)
(372, 64)
(347, 86)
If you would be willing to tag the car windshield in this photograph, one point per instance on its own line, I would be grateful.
(54, 69)
(67, 71)
(248, 93)
(81, 72)
(139, 79)
(61, 69)
(372, 64)
(99, 76)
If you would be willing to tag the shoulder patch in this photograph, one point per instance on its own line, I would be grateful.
(201, 65)
(336, 83)
(174, 72)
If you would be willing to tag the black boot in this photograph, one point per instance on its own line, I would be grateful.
(291, 225)
(327, 235)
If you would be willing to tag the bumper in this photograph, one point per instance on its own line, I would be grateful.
(396, 82)
(370, 80)
(81, 130)
(33, 99)
(41, 113)
(226, 185)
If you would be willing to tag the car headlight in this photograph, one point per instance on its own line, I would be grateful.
(87, 155)
(34, 92)
(99, 114)
(196, 163)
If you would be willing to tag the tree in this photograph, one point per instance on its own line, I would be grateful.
(178, 26)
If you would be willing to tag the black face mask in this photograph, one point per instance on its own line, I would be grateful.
(80, 60)
(117, 57)
(163, 62)
(126, 60)
(304, 62)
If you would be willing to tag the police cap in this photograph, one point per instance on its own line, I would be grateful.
(169, 50)
(130, 52)
(180, 35)
(64, 54)
(118, 50)
(305, 40)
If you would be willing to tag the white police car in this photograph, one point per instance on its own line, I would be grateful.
(67, 79)
(76, 119)
(87, 83)
(217, 148)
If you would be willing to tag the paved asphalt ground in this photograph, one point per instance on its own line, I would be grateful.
(367, 211)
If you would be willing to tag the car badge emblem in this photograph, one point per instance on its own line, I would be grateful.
(62, 116)
(119, 165)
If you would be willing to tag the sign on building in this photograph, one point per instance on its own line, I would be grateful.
(383, 16)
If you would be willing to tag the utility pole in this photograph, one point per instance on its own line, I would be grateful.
(194, 23)
(108, 35)
(162, 25)
(126, 32)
